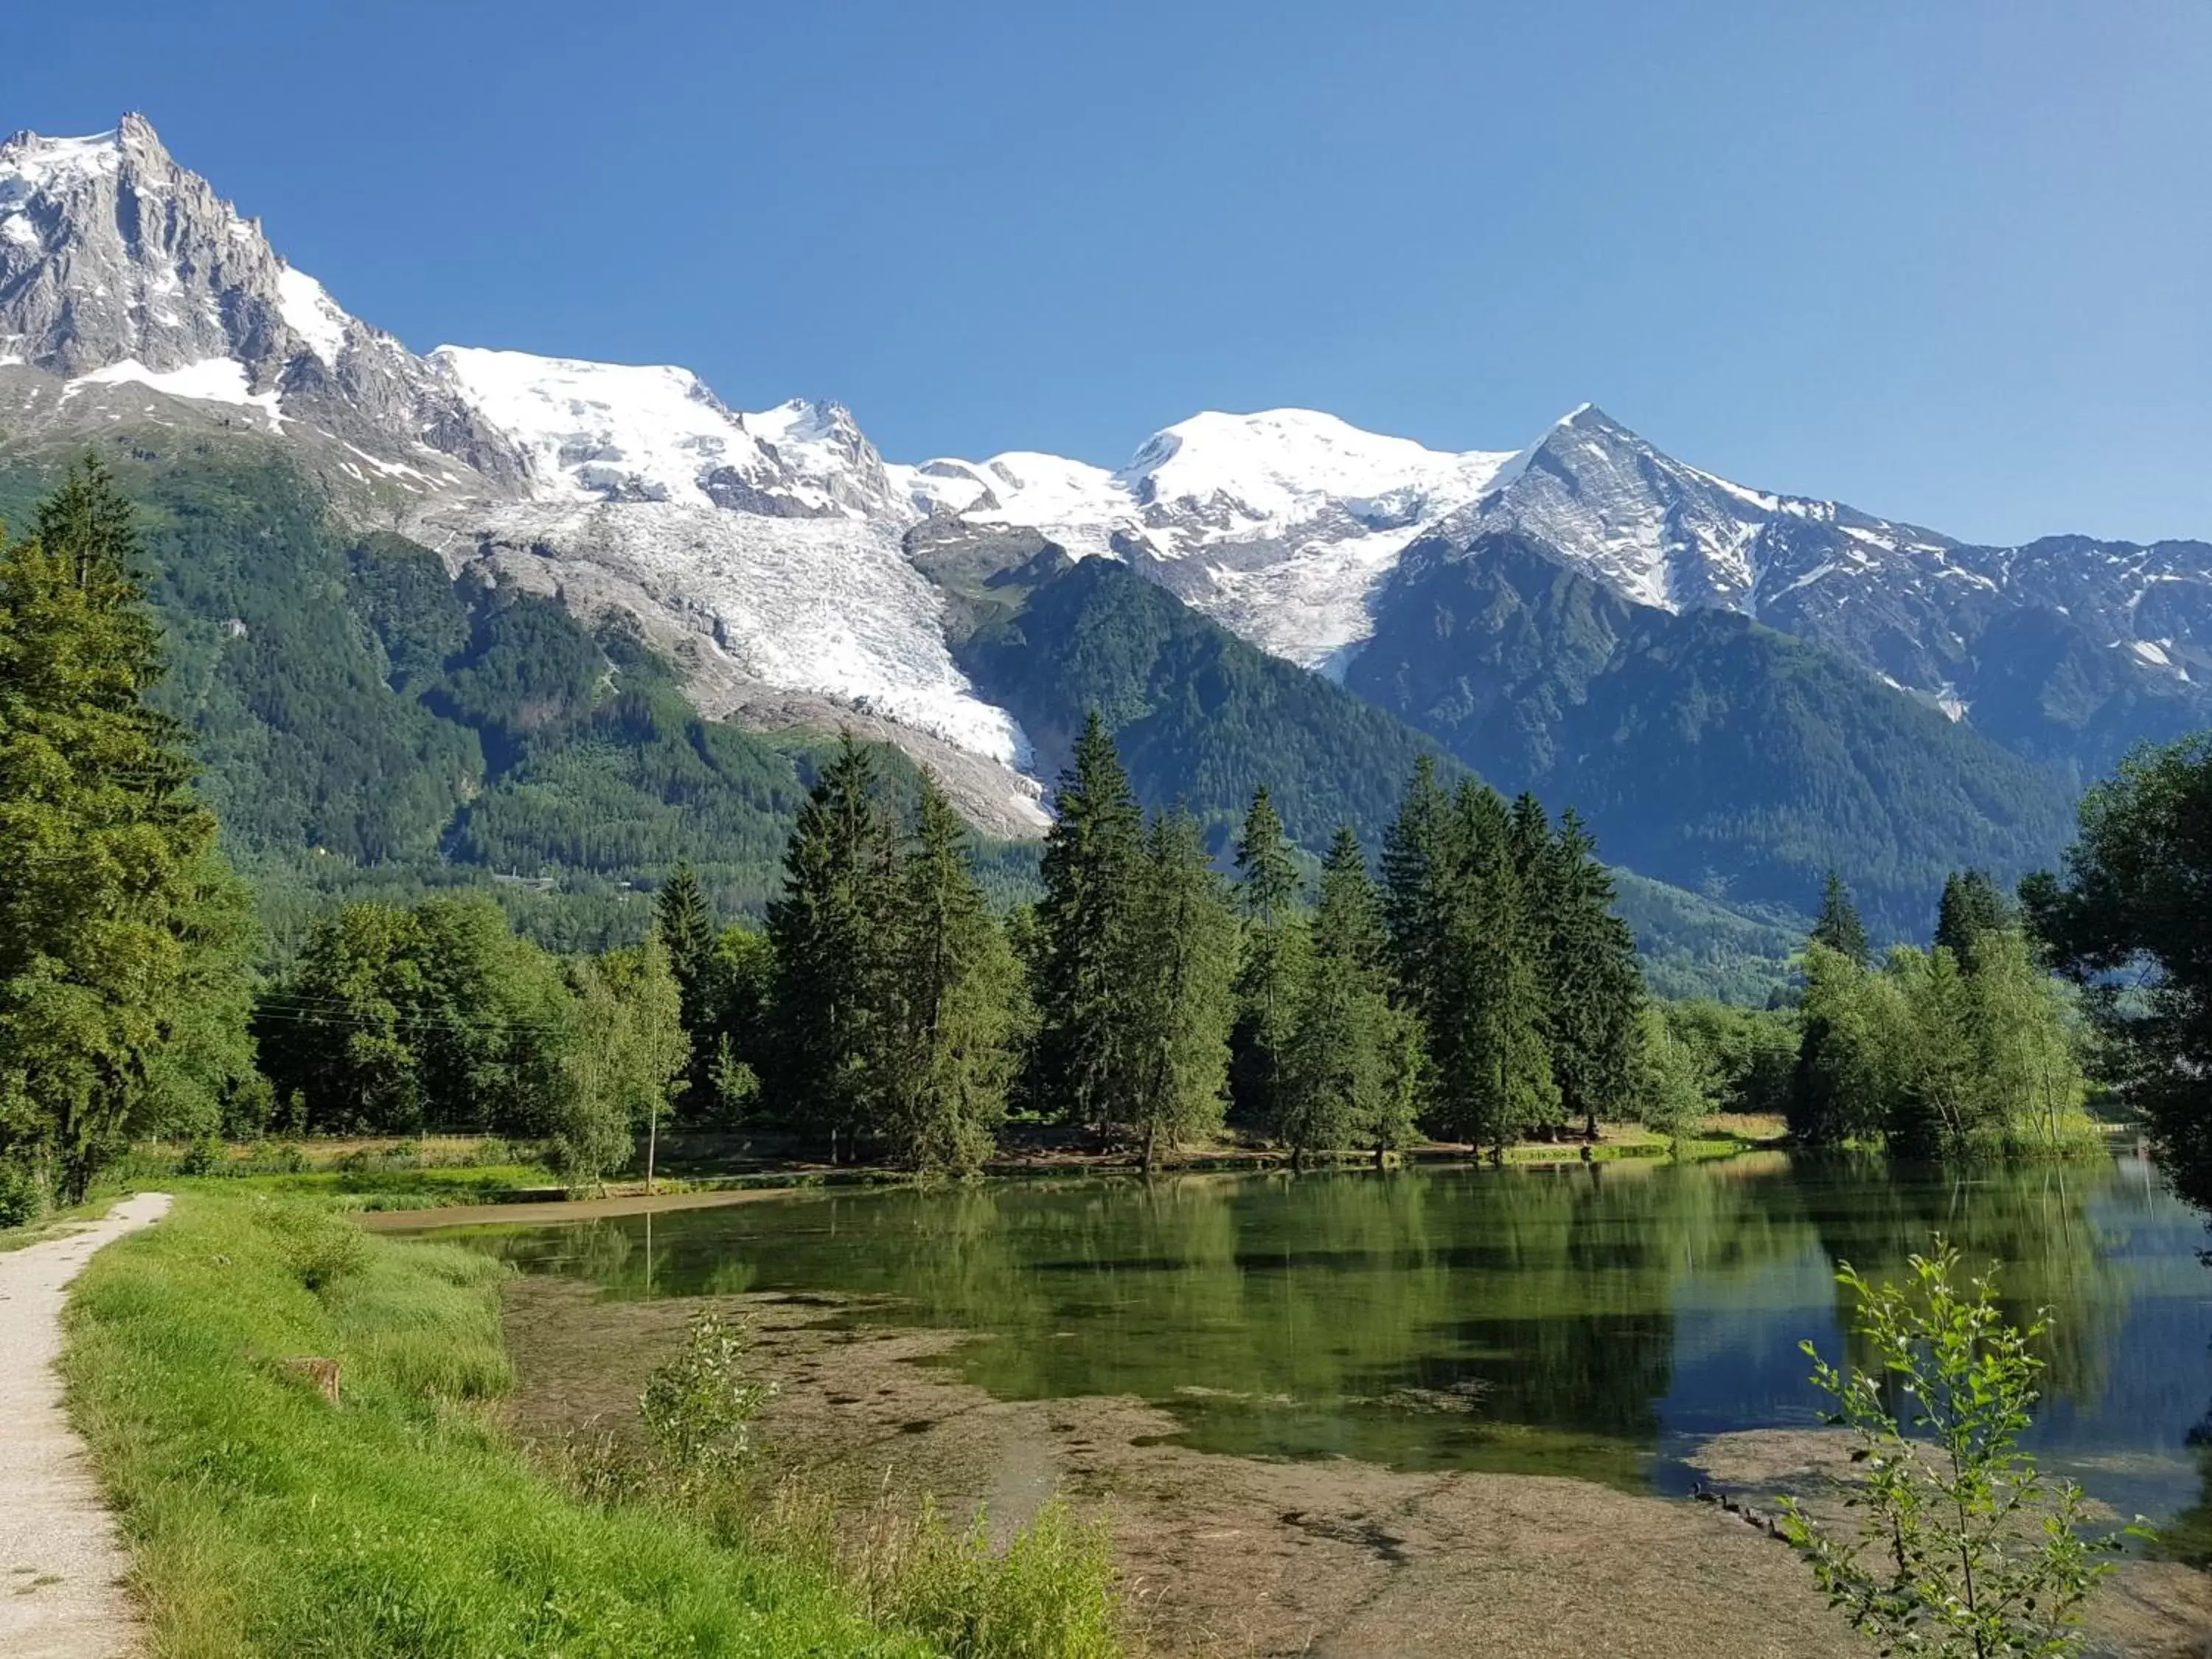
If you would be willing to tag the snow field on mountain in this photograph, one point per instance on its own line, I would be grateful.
(213, 381)
(590, 430)
(824, 605)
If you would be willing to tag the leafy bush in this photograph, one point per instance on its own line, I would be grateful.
(698, 1409)
(1967, 1550)
(202, 1155)
(22, 1193)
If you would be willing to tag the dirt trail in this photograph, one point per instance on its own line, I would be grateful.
(62, 1567)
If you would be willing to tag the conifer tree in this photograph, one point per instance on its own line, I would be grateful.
(1593, 987)
(685, 927)
(1092, 855)
(1415, 859)
(1839, 927)
(1492, 1065)
(831, 934)
(1180, 966)
(953, 985)
(115, 902)
(1273, 963)
(1971, 906)
(1339, 1064)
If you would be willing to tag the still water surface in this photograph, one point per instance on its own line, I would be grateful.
(1598, 1322)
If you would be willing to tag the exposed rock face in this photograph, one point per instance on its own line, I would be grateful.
(118, 266)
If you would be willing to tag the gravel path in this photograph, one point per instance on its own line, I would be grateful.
(62, 1568)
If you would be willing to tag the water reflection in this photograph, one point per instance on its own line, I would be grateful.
(1593, 1320)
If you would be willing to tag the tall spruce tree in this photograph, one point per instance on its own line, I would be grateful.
(832, 931)
(1593, 986)
(1491, 1065)
(1838, 927)
(1180, 964)
(1972, 906)
(1274, 964)
(115, 900)
(953, 985)
(1092, 855)
(1340, 1062)
(685, 927)
(1416, 858)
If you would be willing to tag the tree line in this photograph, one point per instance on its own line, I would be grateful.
(1480, 991)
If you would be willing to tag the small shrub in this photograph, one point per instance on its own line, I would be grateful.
(1967, 1548)
(202, 1155)
(288, 1158)
(321, 1245)
(1048, 1595)
(698, 1407)
(489, 1153)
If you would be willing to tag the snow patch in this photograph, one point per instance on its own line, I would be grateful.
(608, 431)
(312, 314)
(213, 381)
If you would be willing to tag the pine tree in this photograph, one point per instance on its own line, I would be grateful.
(685, 927)
(1492, 1065)
(1972, 906)
(831, 933)
(113, 906)
(1415, 857)
(1274, 964)
(1092, 857)
(953, 985)
(1593, 987)
(1180, 964)
(1839, 927)
(1339, 1063)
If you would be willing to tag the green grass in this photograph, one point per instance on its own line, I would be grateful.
(397, 1525)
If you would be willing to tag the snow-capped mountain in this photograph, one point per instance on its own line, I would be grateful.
(1933, 615)
(122, 273)
(777, 556)
(1278, 524)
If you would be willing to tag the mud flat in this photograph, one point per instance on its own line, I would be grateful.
(1239, 1557)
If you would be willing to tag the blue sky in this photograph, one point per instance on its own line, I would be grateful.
(1951, 262)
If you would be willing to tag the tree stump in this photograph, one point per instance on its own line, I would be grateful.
(323, 1373)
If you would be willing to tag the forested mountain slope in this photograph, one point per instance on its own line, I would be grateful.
(1706, 749)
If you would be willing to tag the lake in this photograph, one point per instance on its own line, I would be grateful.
(1592, 1321)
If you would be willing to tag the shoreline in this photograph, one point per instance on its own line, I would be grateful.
(1237, 1557)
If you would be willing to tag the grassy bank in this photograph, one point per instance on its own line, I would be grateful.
(264, 1520)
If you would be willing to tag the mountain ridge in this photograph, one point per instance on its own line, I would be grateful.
(790, 571)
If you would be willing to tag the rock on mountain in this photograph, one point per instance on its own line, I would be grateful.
(763, 552)
(122, 273)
